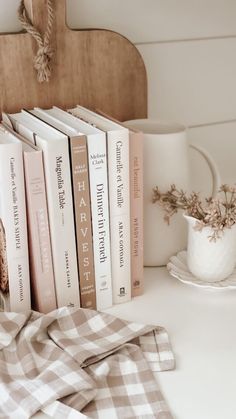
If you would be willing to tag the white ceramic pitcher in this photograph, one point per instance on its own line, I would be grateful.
(166, 162)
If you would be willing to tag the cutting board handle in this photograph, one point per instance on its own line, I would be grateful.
(95, 68)
(37, 11)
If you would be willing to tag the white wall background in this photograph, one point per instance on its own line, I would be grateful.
(189, 48)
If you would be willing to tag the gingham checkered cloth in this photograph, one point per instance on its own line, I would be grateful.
(78, 363)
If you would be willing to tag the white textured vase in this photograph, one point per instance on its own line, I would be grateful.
(210, 261)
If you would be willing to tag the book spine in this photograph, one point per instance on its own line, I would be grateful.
(15, 283)
(97, 155)
(41, 267)
(82, 208)
(61, 220)
(136, 212)
(119, 196)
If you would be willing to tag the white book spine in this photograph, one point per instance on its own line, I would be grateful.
(14, 226)
(97, 157)
(119, 200)
(61, 220)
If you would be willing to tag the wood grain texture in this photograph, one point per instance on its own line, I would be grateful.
(94, 68)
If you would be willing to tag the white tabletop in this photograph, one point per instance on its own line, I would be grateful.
(202, 328)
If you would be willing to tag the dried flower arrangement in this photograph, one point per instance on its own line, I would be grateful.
(218, 213)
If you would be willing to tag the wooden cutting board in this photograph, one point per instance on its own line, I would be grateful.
(94, 68)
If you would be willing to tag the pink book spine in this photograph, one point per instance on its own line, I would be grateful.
(136, 212)
(41, 265)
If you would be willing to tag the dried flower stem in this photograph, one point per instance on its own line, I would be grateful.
(216, 213)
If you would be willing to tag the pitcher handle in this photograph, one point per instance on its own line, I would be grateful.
(212, 166)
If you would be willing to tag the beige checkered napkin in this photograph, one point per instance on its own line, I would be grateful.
(76, 360)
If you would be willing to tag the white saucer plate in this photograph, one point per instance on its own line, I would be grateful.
(178, 268)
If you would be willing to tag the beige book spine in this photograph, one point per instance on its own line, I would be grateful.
(41, 265)
(14, 261)
(81, 192)
(136, 212)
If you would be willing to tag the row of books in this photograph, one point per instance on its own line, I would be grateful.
(71, 210)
